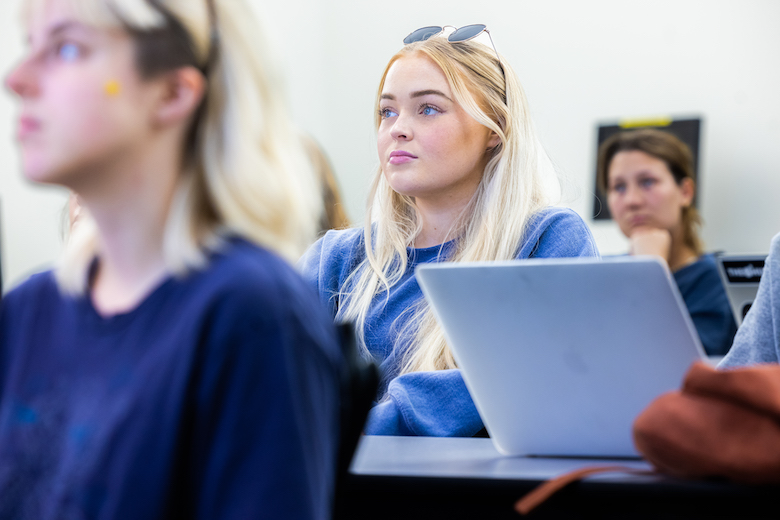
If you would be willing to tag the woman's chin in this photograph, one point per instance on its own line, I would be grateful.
(39, 173)
(402, 189)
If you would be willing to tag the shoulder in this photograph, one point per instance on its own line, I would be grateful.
(774, 250)
(35, 302)
(36, 283)
(756, 340)
(40, 289)
(775, 244)
(331, 259)
(557, 232)
(247, 292)
(243, 267)
(703, 266)
(241, 272)
(336, 246)
(703, 270)
(772, 263)
(553, 215)
(253, 312)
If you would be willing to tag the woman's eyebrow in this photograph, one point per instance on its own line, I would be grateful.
(431, 92)
(67, 26)
(418, 93)
(61, 28)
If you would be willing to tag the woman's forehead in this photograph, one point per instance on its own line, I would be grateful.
(633, 161)
(101, 14)
(46, 12)
(413, 74)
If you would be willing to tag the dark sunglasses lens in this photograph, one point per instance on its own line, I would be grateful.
(422, 34)
(466, 33)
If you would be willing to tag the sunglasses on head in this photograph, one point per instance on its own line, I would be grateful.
(461, 34)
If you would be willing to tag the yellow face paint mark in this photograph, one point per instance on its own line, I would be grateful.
(112, 88)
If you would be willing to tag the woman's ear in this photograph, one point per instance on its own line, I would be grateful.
(494, 140)
(183, 90)
(688, 190)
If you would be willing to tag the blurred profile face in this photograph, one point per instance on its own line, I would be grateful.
(429, 147)
(642, 192)
(83, 104)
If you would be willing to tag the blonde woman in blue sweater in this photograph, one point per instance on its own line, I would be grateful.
(462, 177)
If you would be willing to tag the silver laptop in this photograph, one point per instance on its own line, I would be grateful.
(740, 275)
(560, 355)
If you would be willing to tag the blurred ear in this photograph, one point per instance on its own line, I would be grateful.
(183, 90)
(493, 141)
(687, 188)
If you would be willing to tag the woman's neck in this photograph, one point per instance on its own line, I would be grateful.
(439, 222)
(680, 254)
(131, 208)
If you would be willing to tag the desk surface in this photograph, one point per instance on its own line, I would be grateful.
(426, 477)
(460, 457)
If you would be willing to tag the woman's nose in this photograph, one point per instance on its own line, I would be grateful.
(402, 129)
(633, 196)
(21, 79)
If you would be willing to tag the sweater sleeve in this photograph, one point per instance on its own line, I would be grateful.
(426, 403)
(758, 339)
(558, 233)
(265, 420)
(310, 266)
(329, 261)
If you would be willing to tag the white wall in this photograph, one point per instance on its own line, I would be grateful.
(580, 63)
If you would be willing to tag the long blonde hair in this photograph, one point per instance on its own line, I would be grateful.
(513, 188)
(246, 171)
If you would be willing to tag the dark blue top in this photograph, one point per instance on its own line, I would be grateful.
(708, 304)
(216, 397)
(425, 403)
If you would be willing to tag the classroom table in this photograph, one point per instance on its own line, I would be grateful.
(453, 478)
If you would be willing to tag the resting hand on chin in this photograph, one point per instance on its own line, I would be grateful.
(651, 241)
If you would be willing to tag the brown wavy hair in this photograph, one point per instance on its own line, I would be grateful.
(669, 149)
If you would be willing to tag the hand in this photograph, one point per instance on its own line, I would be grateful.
(651, 241)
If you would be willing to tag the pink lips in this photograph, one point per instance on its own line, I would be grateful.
(401, 157)
(27, 125)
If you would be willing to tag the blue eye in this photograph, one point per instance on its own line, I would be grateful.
(69, 52)
(429, 111)
(619, 188)
(384, 113)
(647, 183)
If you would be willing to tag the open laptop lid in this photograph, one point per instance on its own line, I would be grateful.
(560, 355)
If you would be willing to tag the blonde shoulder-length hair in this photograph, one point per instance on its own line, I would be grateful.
(518, 181)
(246, 170)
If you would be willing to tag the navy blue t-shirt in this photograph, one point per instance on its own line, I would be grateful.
(216, 397)
(708, 304)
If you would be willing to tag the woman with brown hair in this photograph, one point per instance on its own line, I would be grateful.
(647, 175)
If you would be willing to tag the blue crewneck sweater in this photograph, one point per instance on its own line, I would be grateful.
(216, 397)
(424, 403)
